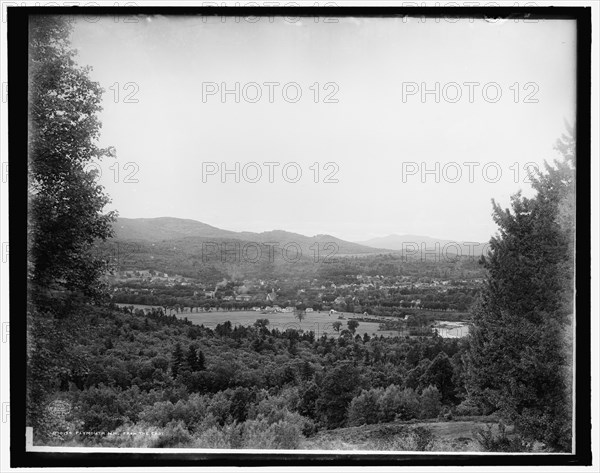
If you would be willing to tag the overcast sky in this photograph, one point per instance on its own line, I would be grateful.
(371, 121)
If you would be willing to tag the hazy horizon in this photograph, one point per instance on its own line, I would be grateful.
(432, 237)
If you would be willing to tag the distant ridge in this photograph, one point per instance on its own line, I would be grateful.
(411, 243)
(170, 228)
(165, 228)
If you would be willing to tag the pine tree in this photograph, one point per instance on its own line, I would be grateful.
(519, 359)
(439, 373)
(201, 361)
(191, 358)
(178, 360)
(195, 359)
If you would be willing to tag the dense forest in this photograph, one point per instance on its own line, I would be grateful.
(99, 375)
(254, 387)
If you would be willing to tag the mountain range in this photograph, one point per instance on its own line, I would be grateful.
(169, 228)
(176, 229)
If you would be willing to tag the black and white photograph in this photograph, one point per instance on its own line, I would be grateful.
(300, 233)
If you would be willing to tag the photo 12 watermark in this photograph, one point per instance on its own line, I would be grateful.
(86, 14)
(269, 92)
(469, 92)
(449, 251)
(295, 20)
(269, 172)
(117, 254)
(125, 92)
(254, 252)
(467, 172)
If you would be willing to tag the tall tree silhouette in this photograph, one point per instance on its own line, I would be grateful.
(65, 201)
(65, 205)
(519, 361)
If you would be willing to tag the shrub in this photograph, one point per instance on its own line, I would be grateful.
(284, 434)
(214, 437)
(175, 435)
(467, 408)
(159, 414)
(431, 402)
(364, 408)
(490, 442)
(220, 407)
(398, 403)
(413, 439)
(445, 414)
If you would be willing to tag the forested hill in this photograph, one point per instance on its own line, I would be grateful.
(191, 231)
(197, 250)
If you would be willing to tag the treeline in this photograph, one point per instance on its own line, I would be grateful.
(384, 302)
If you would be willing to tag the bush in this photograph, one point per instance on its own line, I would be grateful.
(214, 437)
(259, 434)
(175, 435)
(159, 414)
(490, 442)
(364, 408)
(399, 404)
(431, 402)
(414, 439)
(467, 408)
(445, 414)
(220, 407)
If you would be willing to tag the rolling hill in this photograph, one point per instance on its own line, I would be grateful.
(197, 250)
(192, 232)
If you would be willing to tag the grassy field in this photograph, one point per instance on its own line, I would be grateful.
(319, 322)
(450, 436)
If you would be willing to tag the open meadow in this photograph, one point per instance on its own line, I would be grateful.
(319, 322)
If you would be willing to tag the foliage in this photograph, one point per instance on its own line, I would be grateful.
(398, 403)
(502, 442)
(65, 202)
(439, 374)
(65, 206)
(364, 408)
(519, 359)
(431, 402)
(353, 325)
(337, 390)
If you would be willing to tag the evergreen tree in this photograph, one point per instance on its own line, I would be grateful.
(192, 358)
(519, 361)
(178, 360)
(439, 374)
(200, 359)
